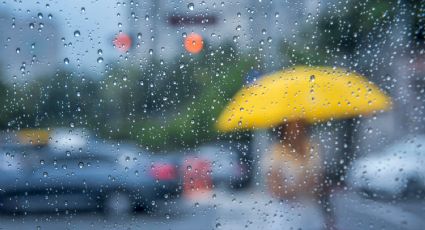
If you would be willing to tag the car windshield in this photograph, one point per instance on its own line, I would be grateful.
(230, 114)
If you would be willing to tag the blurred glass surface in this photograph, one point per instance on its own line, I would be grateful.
(110, 114)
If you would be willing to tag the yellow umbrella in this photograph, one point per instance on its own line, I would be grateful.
(313, 94)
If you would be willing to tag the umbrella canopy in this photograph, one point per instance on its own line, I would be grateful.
(312, 94)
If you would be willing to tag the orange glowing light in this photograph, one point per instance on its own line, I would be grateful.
(194, 43)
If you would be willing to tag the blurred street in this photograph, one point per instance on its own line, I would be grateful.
(300, 115)
(241, 210)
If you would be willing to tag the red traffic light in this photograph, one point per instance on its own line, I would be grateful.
(122, 42)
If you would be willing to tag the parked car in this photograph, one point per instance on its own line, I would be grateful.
(396, 171)
(75, 171)
(229, 164)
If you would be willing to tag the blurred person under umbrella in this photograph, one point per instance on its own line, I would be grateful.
(291, 100)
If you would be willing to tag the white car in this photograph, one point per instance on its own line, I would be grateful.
(229, 166)
(397, 170)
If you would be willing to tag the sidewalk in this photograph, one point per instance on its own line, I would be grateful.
(256, 210)
(253, 209)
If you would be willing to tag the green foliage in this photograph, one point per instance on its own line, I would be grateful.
(345, 27)
(342, 29)
(60, 100)
(192, 122)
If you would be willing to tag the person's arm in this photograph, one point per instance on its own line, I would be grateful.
(314, 172)
(276, 178)
(277, 187)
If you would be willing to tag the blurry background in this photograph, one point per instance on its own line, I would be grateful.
(120, 70)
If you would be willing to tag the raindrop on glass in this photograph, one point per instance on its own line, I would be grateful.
(191, 6)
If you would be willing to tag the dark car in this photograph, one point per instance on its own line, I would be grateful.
(73, 174)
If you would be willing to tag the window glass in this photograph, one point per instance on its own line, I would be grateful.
(182, 114)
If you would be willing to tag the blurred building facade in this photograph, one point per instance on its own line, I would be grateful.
(251, 26)
(30, 46)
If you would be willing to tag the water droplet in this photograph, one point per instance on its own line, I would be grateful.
(312, 78)
(369, 130)
(83, 9)
(66, 61)
(45, 174)
(18, 50)
(40, 15)
(71, 124)
(99, 59)
(23, 67)
(191, 6)
(76, 33)
(80, 165)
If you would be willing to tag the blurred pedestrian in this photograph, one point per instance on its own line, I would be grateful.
(299, 96)
(295, 170)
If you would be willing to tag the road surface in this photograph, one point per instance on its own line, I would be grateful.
(239, 210)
